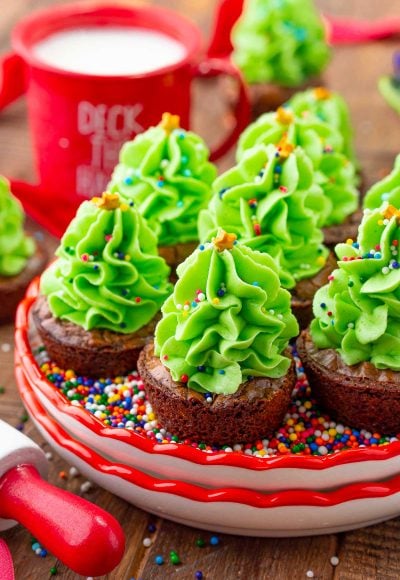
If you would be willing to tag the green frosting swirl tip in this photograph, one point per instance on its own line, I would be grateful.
(166, 172)
(15, 246)
(227, 320)
(108, 273)
(358, 312)
(386, 190)
(280, 41)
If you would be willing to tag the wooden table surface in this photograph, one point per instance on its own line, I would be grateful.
(363, 554)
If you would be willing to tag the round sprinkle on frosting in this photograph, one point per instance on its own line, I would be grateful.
(121, 402)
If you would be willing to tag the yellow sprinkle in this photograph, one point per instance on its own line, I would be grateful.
(349, 241)
(124, 207)
(119, 380)
(391, 211)
(223, 240)
(293, 437)
(298, 428)
(262, 452)
(69, 374)
(308, 404)
(284, 148)
(283, 116)
(170, 122)
(185, 313)
(107, 201)
(332, 432)
(127, 257)
(380, 222)
(321, 93)
(290, 422)
(215, 300)
(321, 260)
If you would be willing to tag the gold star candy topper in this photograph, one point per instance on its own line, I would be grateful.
(321, 93)
(108, 201)
(284, 148)
(391, 211)
(283, 116)
(170, 122)
(224, 241)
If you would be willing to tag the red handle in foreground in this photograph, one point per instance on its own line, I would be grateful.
(83, 536)
(6, 565)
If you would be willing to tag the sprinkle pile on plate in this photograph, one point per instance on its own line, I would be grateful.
(121, 402)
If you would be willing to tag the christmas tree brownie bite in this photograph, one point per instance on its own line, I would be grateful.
(21, 257)
(219, 371)
(280, 47)
(333, 171)
(331, 108)
(166, 172)
(272, 203)
(99, 300)
(352, 351)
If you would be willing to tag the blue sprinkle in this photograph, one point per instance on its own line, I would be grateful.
(199, 575)
(96, 267)
(152, 528)
(201, 247)
(221, 372)
(36, 546)
(256, 284)
(222, 191)
(131, 203)
(278, 168)
(128, 180)
(179, 203)
(323, 305)
(377, 255)
(214, 540)
(184, 159)
(159, 560)
(395, 265)
(187, 173)
(355, 245)
(201, 368)
(43, 553)
(123, 325)
(221, 292)
(194, 304)
(160, 183)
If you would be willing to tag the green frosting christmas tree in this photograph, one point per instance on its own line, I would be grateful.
(15, 246)
(358, 312)
(280, 41)
(227, 320)
(108, 274)
(166, 172)
(272, 203)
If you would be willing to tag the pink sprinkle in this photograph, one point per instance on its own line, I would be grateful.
(108, 237)
(283, 188)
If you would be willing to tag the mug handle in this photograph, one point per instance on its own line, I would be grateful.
(217, 66)
(12, 79)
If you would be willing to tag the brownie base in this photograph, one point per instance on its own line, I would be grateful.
(177, 253)
(12, 288)
(341, 232)
(95, 353)
(359, 395)
(303, 293)
(253, 412)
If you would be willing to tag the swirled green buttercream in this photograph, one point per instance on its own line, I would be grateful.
(324, 145)
(280, 41)
(108, 274)
(271, 202)
(166, 172)
(15, 247)
(227, 320)
(358, 312)
(388, 189)
(329, 107)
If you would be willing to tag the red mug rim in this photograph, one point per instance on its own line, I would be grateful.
(41, 23)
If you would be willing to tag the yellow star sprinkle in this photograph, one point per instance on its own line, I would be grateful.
(170, 122)
(321, 261)
(108, 201)
(224, 241)
(391, 211)
(284, 148)
(283, 116)
(322, 94)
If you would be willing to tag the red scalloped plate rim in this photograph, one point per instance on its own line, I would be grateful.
(24, 356)
(285, 498)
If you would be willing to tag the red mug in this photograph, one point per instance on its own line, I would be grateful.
(79, 121)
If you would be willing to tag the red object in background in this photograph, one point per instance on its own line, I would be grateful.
(79, 121)
(83, 536)
(6, 565)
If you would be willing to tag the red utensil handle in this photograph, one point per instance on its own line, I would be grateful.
(6, 564)
(83, 536)
(12, 79)
(217, 66)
